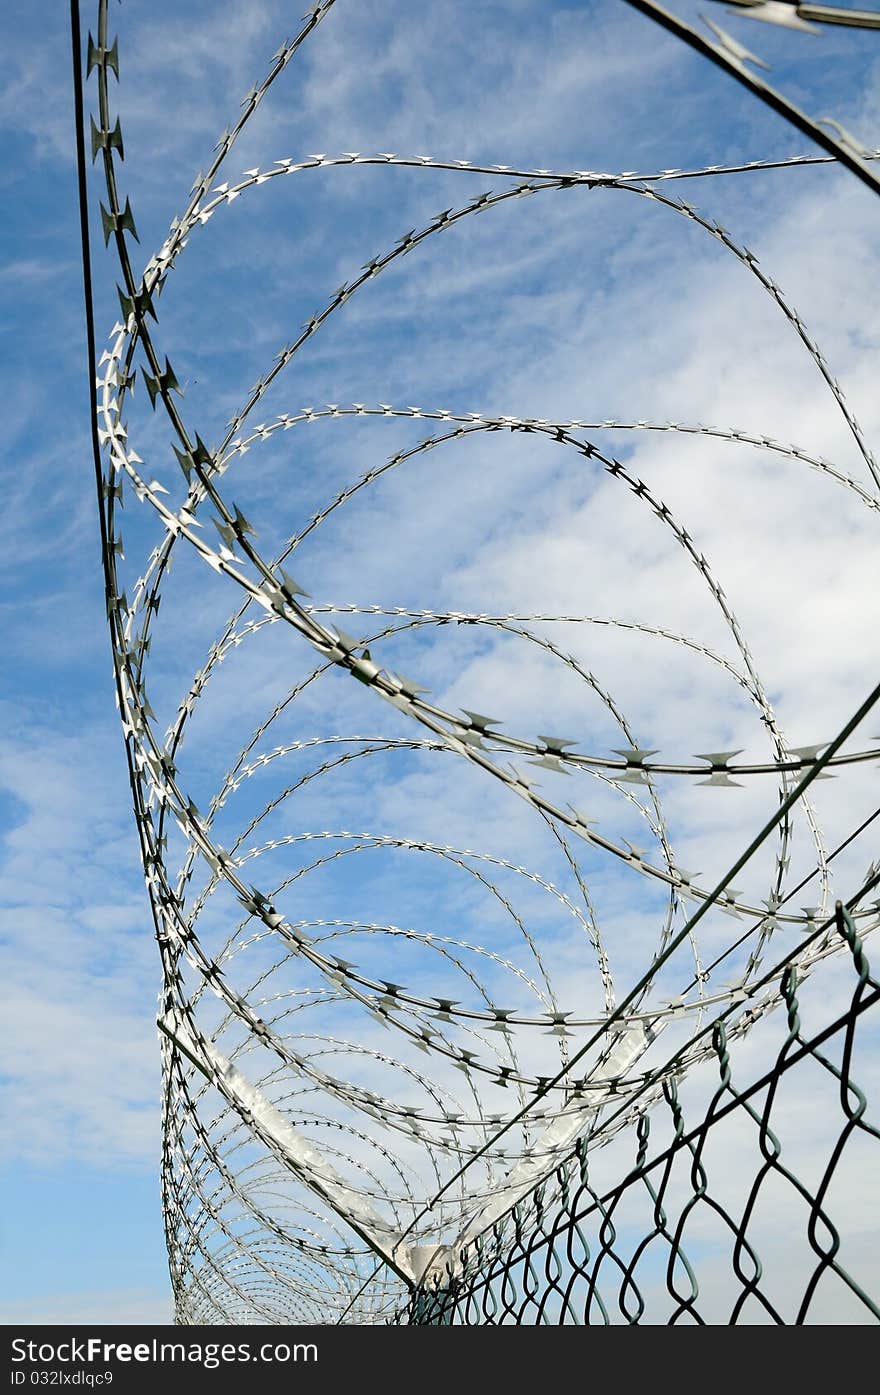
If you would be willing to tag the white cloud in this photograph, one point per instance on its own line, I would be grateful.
(80, 1074)
(563, 305)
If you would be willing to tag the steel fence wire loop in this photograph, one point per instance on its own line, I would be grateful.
(315, 1159)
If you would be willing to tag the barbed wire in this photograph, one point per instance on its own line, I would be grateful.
(267, 1218)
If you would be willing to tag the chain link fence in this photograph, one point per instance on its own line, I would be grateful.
(729, 1216)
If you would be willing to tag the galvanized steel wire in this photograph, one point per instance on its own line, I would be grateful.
(295, 1149)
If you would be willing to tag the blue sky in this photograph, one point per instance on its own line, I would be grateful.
(543, 308)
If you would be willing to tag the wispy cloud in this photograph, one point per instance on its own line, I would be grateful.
(566, 305)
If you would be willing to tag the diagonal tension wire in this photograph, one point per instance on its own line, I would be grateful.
(841, 150)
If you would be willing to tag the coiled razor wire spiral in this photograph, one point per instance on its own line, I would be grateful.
(330, 1082)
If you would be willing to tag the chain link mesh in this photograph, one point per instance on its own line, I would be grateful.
(666, 1244)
